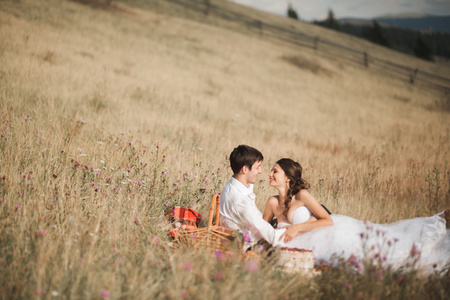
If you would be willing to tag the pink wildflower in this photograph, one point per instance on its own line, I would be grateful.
(379, 274)
(105, 294)
(247, 237)
(41, 232)
(352, 260)
(121, 260)
(218, 254)
(252, 266)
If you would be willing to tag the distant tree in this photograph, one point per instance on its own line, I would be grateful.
(291, 12)
(375, 35)
(331, 21)
(422, 50)
(403, 39)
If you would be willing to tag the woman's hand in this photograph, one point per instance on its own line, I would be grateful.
(291, 232)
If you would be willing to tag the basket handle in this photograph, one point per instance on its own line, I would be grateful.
(216, 199)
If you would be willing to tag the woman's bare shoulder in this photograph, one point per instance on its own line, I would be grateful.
(273, 200)
(271, 204)
(303, 195)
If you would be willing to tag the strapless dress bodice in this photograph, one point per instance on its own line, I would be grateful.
(301, 215)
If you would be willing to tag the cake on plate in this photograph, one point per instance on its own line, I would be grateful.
(296, 260)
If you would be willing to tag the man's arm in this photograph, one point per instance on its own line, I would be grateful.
(252, 219)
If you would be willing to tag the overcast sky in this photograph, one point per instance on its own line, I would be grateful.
(309, 10)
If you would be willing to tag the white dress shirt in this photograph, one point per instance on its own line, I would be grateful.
(238, 211)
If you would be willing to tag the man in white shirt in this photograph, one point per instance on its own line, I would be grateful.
(238, 210)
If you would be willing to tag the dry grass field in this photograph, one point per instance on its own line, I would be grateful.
(111, 115)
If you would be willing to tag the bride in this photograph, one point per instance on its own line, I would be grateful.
(425, 242)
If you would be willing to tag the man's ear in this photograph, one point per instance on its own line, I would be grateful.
(244, 170)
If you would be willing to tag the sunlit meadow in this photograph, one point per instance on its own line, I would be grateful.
(111, 115)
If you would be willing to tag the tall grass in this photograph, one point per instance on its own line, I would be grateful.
(109, 118)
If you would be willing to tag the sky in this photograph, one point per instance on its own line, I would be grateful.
(309, 10)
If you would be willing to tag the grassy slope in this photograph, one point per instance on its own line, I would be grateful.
(171, 82)
(214, 87)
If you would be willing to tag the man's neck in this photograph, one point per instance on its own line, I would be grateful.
(241, 179)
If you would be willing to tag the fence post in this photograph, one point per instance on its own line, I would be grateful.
(316, 43)
(207, 6)
(413, 75)
(366, 59)
(259, 24)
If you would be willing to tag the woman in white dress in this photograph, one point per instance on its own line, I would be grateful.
(423, 242)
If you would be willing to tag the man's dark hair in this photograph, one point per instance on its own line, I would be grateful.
(244, 155)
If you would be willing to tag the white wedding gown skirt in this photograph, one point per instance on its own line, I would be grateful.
(423, 240)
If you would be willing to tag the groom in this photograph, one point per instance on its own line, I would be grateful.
(238, 210)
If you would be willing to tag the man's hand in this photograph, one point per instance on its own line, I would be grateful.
(291, 232)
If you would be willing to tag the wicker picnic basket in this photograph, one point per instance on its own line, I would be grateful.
(213, 237)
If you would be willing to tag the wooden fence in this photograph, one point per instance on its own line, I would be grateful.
(327, 48)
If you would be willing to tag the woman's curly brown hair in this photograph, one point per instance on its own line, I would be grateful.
(293, 171)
